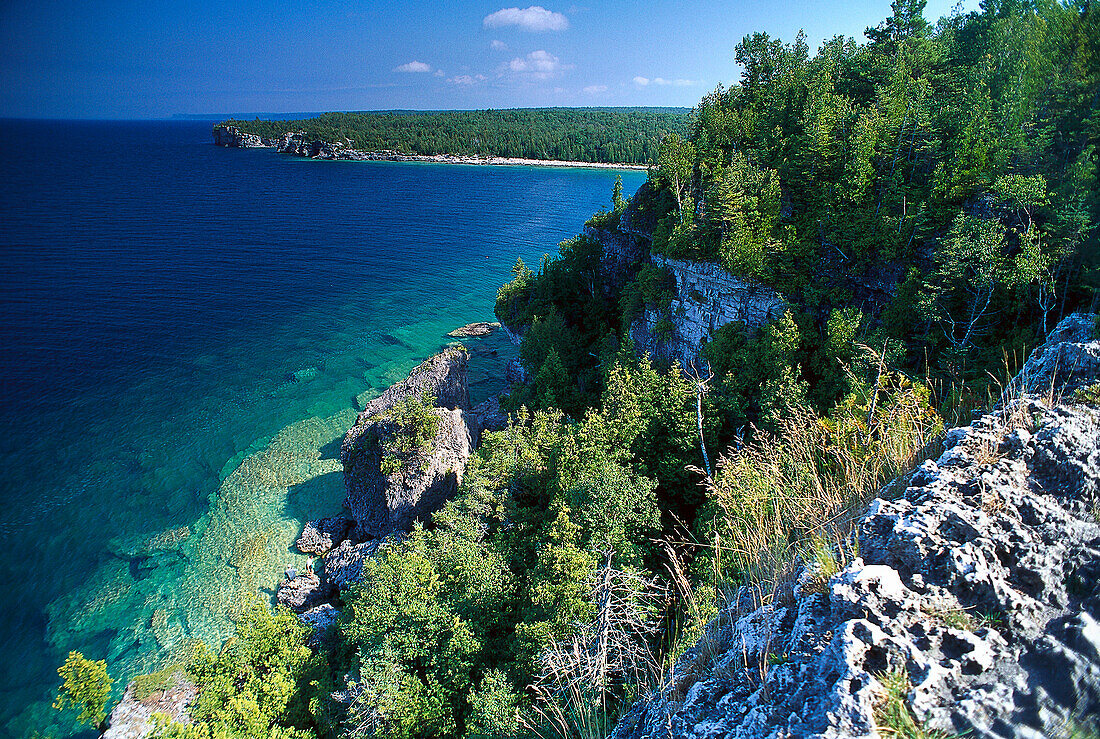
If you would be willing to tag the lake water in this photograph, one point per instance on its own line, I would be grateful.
(186, 333)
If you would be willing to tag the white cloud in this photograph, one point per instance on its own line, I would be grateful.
(595, 89)
(643, 81)
(467, 80)
(440, 73)
(538, 64)
(414, 66)
(534, 18)
(497, 45)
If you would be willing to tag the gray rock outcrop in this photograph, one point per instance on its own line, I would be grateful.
(304, 591)
(324, 534)
(133, 718)
(1069, 359)
(299, 143)
(981, 582)
(385, 501)
(489, 416)
(706, 298)
(344, 564)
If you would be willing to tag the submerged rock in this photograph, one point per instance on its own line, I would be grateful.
(386, 492)
(474, 329)
(982, 583)
(133, 718)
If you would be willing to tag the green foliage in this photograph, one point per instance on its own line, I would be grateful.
(493, 708)
(84, 686)
(893, 714)
(255, 686)
(675, 158)
(155, 682)
(941, 177)
(412, 425)
(1089, 395)
(627, 135)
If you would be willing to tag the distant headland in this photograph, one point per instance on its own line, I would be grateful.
(621, 138)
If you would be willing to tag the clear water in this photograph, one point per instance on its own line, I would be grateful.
(185, 332)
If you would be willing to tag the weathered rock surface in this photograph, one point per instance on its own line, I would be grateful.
(383, 503)
(322, 535)
(982, 582)
(133, 718)
(304, 591)
(232, 136)
(706, 298)
(1069, 359)
(515, 373)
(489, 416)
(470, 330)
(320, 620)
(299, 143)
(621, 254)
(344, 564)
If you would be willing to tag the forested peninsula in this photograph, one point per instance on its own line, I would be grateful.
(804, 439)
(597, 135)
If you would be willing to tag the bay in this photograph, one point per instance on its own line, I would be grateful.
(185, 333)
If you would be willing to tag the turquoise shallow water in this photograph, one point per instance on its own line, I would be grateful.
(185, 332)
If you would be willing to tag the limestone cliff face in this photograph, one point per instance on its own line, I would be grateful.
(982, 582)
(233, 137)
(706, 298)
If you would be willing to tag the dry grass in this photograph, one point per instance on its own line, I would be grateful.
(585, 678)
(794, 497)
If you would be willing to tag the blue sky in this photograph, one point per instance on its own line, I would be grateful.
(156, 58)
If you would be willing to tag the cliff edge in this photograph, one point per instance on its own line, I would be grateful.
(975, 596)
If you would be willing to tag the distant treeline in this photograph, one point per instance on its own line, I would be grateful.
(621, 135)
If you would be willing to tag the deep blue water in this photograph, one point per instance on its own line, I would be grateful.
(185, 330)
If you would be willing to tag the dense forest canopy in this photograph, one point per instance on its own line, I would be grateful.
(619, 135)
(927, 201)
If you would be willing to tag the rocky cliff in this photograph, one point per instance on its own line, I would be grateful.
(975, 595)
(232, 136)
(706, 297)
(387, 498)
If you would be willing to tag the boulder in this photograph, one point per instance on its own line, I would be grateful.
(133, 718)
(386, 490)
(304, 591)
(344, 564)
(322, 535)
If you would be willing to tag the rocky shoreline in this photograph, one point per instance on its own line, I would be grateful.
(300, 144)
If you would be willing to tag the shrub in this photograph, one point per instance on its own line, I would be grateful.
(85, 686)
